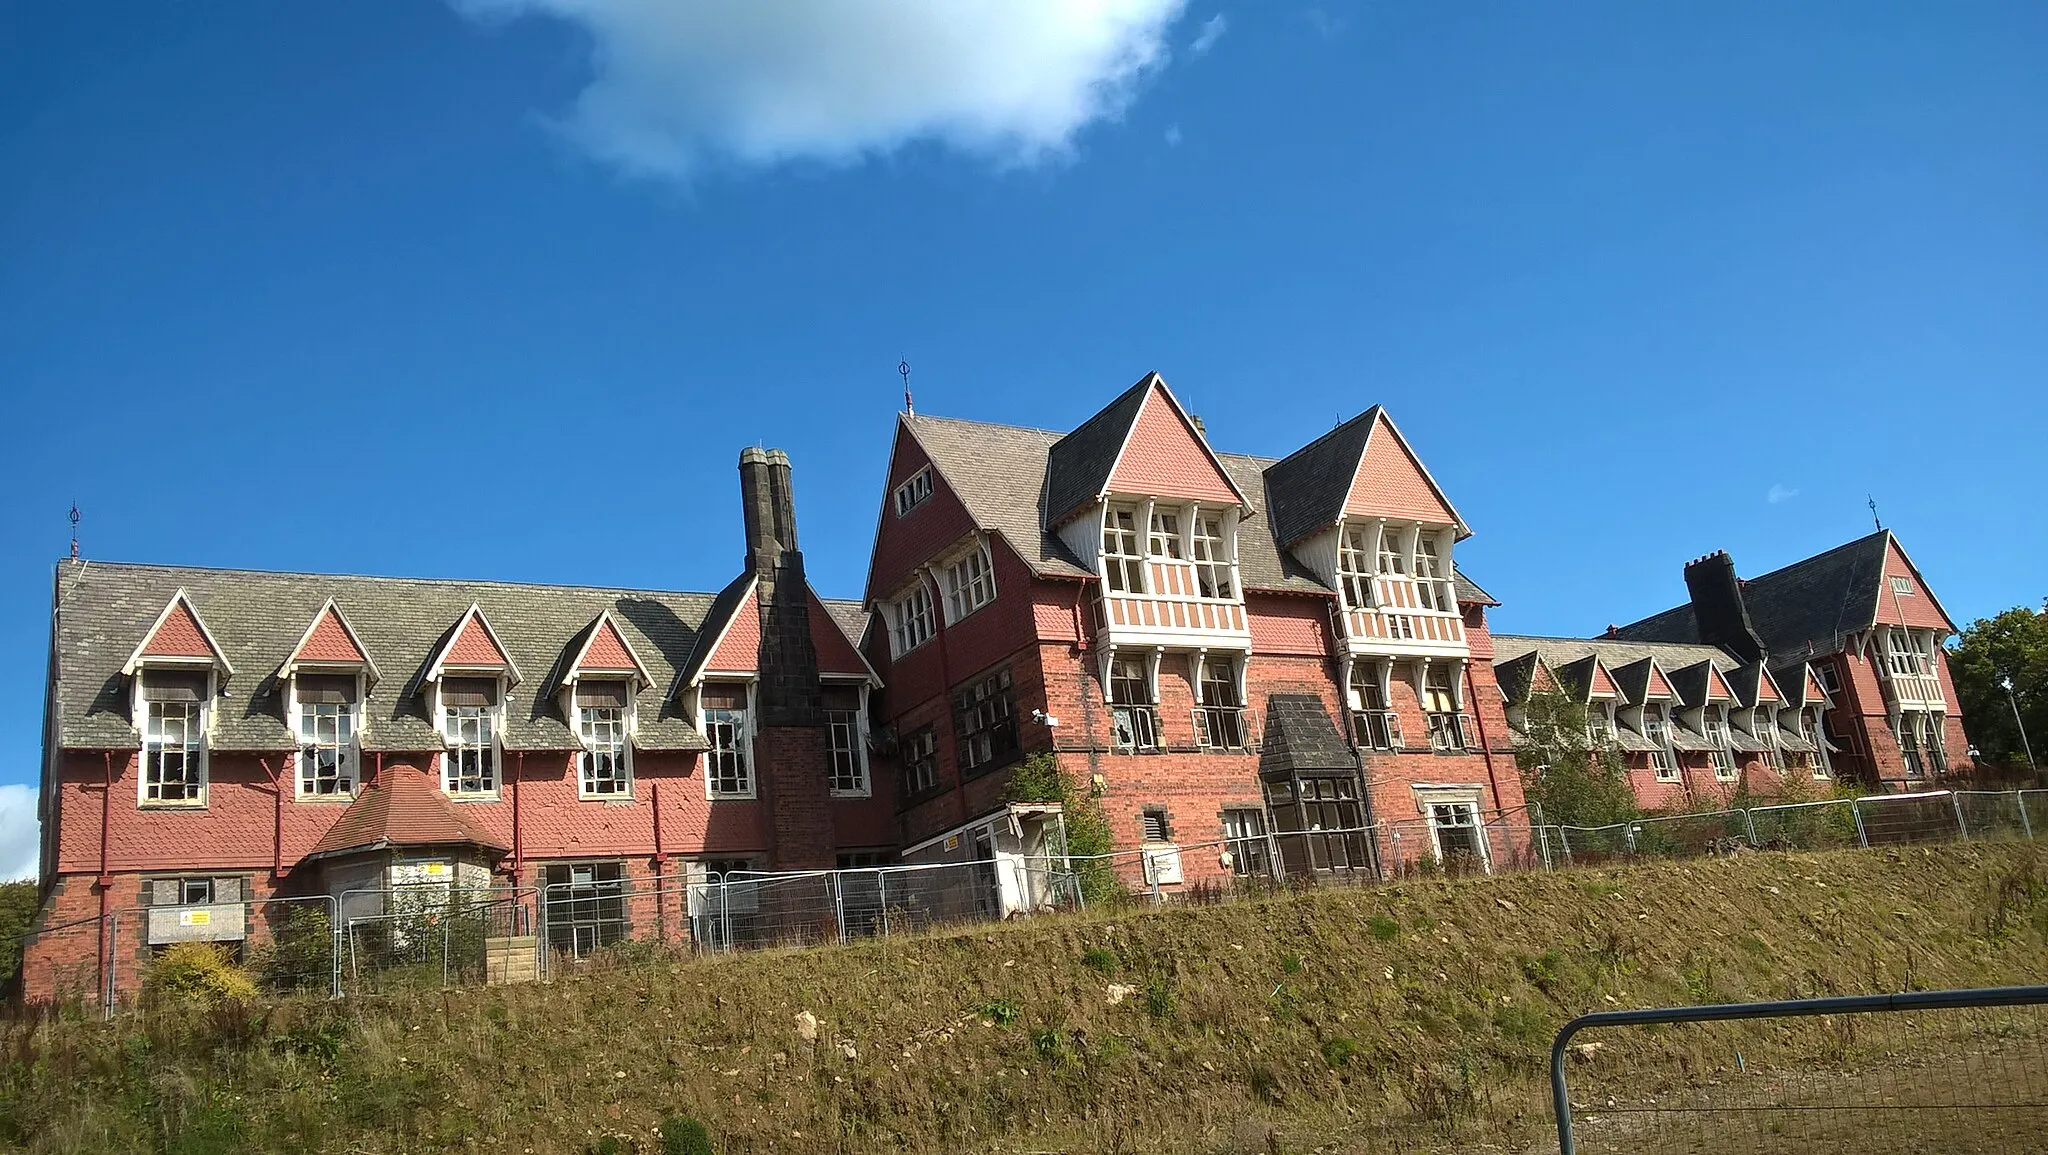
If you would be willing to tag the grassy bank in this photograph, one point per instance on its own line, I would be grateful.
(1413, 1016)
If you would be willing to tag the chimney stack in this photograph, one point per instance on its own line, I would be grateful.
(1718, 610)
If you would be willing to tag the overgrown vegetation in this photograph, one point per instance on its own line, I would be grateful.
(2013, 645)
(1039, 779)
(1577, 781)
(17, 914)
(1221, 1030)
(196, 974)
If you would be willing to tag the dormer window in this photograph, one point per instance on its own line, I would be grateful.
(469, 726)
(1211, 552)
(1432, 576)
(174, 706)
(729, 764)
(848, 741)
(970, 583)
(912, 493)
(326, 724)
(605, 769)
(1354, 567)
(911, 619)
(1123, 564)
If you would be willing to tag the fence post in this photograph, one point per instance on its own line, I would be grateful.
(1856, 812)
(1628, 836)
(882, 893)
(1749, 824)
(1543, 844)
(838, 904)
(2026, 824)
(1955, 801)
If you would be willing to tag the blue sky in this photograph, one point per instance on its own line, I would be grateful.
(499, 289)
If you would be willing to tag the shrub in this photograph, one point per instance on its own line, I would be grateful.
(1101, 959)
(1338, 1052)
(1382, 928)
(197, 972)
(1039, 779)
(299, 957)
(684, 1135)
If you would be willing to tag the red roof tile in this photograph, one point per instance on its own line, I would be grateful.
(329, 642)
(403, 807)
(179, 636)
(607, 651)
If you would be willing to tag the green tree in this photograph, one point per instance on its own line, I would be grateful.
(1576, 780)
(17, 913)
(1040, 779)
(2012, 645)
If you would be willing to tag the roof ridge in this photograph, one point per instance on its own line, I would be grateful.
(988, 424)
(241, 570)
(1847, 545)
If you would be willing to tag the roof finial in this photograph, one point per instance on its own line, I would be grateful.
(1873, 512)
(74, 530)
(903, 368)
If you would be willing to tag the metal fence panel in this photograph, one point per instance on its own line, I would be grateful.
(1826, 825)
(1953, 1071)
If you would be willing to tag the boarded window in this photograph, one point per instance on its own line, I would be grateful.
(327, 689)
(604, 695)
(174, 685)
(469, 691)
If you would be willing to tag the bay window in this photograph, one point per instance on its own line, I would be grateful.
(970, 584)
(1163, 541)
(911, 625)
(1354, 566)
(1211, 550)
(1393, 557)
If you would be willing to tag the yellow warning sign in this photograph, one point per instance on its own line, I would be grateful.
(195, 918)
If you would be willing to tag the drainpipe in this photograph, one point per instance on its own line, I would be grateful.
(1485, 745)
(660, 861)
(277, 826)
(518, 847)
(106, 947)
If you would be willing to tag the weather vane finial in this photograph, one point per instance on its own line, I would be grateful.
(1873, 512)
(903, 369)
(74, 530)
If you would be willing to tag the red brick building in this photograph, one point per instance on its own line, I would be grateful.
(218, 738)
(1218, 646)
(1831, 667)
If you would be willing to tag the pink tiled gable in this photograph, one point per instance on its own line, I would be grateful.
(1602, 683)
(836, 654)
(1814, 692)
(1391, 483)
(329, 641)
(473, 646)
(739, 651)
(1767, 690)
(1917, 608)
(179, 635)
(1659, 688)
(1164, 458)
(1717, 686)
(607, 651)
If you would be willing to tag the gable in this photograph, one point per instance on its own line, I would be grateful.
(1541, 680)
(739, 649)
(1717, 686)
(1767, 690)
(474, 646)
(1162, 457)
(904, 542)
(1391, 482)
(329, 641)
(836, 655)
(1660, 686)
(1602, 683)
(1916, 608)
(607, 651)
(179, 635)
(1814, 692)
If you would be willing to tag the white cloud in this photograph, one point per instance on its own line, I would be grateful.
(20, 833)
(1173, 136)
(678, 83)
(1211, 31)
(1780, 493)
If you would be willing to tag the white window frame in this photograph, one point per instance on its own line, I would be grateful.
(1392, 560)
(1163, 535)
(1657, 728)
(1902, 586)
(1214, 555)
(1462, 800)
(722, 725)
(455, 741)
(920, 749)
(605, 731)
(1123, 551)
(193, 747)
(347, 745)
(846, 741)
(1903, 650)
(915, 490)
(1830, 682)
(913, 619)
(1355, 553)
(1433, 589)
(970, 582)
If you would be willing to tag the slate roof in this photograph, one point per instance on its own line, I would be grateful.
(402, 808)
(1299, 736)
(1312, 483)
(104, 608)
(1817, 600)
(999, 473)
(1078, 465)
(1515, 654)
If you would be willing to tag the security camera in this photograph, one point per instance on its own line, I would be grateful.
(1044, 719)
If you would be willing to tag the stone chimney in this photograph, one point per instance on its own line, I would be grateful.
(1718, 609)
(792, 754)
